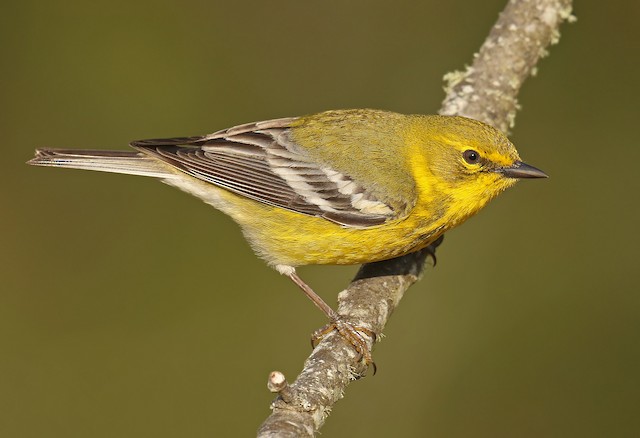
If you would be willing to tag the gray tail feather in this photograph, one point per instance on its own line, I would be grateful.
(131, 163)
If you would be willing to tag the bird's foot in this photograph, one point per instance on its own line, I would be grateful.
(354, 335)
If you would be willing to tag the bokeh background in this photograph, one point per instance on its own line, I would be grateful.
(128, 308)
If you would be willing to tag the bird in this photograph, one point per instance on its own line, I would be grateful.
(335, 187)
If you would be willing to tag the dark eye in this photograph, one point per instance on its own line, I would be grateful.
(471, 156)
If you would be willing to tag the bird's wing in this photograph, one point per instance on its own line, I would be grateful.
(260, 161)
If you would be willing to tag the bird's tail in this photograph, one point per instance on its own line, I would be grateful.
(131, 163)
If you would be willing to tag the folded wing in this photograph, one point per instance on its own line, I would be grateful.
(260, 161)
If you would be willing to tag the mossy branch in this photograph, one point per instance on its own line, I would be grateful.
(487, 91)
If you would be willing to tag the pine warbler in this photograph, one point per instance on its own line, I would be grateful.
(338, 187)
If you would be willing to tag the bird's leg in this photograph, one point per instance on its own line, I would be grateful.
(317, 300)
(347, 330)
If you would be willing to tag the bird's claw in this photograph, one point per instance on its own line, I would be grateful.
(350, 333)
(431, 249)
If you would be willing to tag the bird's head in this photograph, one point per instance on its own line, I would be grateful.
(471, 161)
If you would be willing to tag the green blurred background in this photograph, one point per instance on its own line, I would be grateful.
(128, 308)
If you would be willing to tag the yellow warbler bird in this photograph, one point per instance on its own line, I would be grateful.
(338, 187)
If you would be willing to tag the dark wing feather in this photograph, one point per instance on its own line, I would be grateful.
(259, 161)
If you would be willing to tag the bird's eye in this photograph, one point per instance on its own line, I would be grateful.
(471, 156)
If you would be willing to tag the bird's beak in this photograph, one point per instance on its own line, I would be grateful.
(521, 170)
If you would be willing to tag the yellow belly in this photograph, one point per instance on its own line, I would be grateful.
(288, 238)
(283, 237)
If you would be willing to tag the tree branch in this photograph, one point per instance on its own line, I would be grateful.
(486, 91)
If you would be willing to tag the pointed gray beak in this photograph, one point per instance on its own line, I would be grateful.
(521, 170)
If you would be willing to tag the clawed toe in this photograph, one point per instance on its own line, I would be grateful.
(354, 335)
